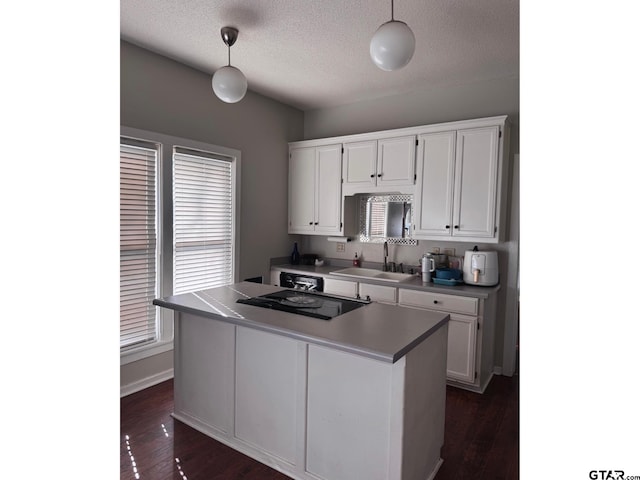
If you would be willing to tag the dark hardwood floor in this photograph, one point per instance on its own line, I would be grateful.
(481, 439)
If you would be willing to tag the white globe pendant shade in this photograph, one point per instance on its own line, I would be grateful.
(392, 45)
(229, 84)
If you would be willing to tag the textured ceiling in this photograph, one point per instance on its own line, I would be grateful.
(315, 53)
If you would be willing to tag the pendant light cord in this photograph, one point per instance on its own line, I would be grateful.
(392, 10)
(229, 53)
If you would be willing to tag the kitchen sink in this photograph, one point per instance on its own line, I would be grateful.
(370, 273)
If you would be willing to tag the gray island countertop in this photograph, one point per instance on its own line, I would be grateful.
(377, 330)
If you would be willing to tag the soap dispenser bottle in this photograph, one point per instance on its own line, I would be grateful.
(356, 261)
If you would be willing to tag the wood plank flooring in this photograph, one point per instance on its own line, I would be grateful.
(481, 439)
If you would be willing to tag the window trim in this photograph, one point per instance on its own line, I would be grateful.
(165, 226)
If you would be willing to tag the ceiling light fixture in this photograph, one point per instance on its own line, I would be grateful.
(229, 83)
(392, 45)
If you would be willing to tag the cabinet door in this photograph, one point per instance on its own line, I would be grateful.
(266, 410)
(204, 365)
(434, 188)
(359, 163)
(378, 293)
(328, 197)
(340, 287)
(474, 205)
(461, 348)
(301, 189)
(349, 410)
(396, 161)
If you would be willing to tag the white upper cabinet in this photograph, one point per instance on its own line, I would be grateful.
(328, 194)
(434, 192)
(476, 182)
(359, 163)
(396, 161)
(456, 172)
(375, 165)
(302, 167)
(459, 188)
(315, 196)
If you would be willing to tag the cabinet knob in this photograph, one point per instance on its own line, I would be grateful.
(316, 223)
(447, 226)
(435, 301)
(310, 223)
(379, 175)
(456, 226)
(372, 175)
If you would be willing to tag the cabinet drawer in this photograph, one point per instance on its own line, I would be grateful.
(438, 301)
(378, 293)
(340, 287)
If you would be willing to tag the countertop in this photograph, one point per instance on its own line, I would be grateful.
(377, 330)
(413, 284)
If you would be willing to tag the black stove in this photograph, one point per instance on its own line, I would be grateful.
(317, 305)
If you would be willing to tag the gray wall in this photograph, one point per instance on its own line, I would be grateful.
(164, 96)
(450, 103)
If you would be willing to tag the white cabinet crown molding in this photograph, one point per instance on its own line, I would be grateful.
(417, 130)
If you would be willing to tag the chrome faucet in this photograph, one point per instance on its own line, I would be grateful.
(385, 249)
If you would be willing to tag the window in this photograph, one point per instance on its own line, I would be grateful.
(178, 217)
(138, 244)
(203, 221)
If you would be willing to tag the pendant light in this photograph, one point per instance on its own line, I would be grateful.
(392, 45)
(229, 83)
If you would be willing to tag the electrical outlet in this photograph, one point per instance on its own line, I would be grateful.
(435, 250)
(340, 247)
(450, 252)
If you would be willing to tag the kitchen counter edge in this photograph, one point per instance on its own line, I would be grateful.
(188, 303)
(412, 284)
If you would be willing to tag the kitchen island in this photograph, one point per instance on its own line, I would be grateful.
(360, 396)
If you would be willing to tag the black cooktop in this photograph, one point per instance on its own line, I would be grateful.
(315, 305)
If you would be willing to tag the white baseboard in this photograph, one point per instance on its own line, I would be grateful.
(145, 383)
(497, 370)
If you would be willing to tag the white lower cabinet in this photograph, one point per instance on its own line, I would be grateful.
(377, 293)
(338, 423)
(309, 411)
(203, 370)
(471, 334)
(345, 288)
(461, 347)
(265, 414)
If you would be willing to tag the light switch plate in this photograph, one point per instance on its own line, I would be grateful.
(339, 247)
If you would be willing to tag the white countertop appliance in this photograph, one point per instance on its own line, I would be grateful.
(480, 268)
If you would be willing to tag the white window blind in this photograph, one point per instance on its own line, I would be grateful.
(377, 218)
(203, 213)
(138, 246)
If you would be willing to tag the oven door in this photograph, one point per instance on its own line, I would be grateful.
(287, 279)
(301, 282)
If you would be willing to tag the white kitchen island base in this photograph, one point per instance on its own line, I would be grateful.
(312, 411)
